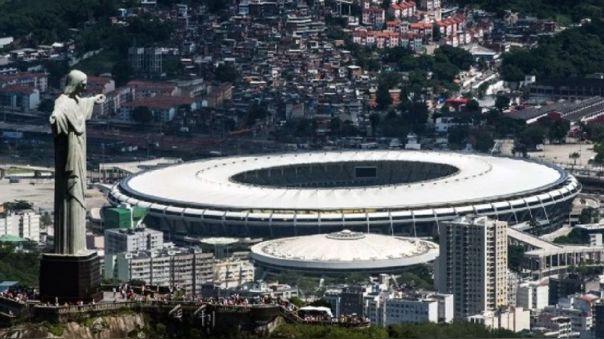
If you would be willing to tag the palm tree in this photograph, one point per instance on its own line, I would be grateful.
(574, 156)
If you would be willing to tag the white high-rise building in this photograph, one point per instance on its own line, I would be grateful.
(514, 319)
(433, 9)
(532, 295)
(24, 224)
(9, 225)
(233, 272)
(398, 310)
(118, 240)
(386, 309)
(472, 264)
(186, 269)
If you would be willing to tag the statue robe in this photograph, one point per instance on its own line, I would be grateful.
(68, 122)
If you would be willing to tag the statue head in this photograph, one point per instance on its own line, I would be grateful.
(75, 82)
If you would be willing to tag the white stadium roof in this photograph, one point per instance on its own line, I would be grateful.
(209, 183)
(345, 250)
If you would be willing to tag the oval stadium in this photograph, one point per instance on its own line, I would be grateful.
(342, 252)
(388, 192)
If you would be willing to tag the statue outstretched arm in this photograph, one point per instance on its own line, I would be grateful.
(89, 103)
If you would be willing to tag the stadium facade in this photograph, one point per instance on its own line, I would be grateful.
(388, 192)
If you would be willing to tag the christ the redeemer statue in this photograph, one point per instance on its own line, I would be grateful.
(68, 122)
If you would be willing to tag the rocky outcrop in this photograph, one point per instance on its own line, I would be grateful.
(150, 321)
(119, 326)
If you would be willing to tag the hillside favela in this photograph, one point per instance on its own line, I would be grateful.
(301, 169)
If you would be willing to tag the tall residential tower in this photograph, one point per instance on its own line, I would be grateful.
(473, 264)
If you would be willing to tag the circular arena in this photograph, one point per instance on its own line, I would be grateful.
(388, 192)
(342, 252)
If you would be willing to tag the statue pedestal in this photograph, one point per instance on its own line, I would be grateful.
(70, 278)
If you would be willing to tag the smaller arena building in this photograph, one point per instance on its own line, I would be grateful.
(342, 252)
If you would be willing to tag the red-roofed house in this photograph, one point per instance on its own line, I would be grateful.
(100, 85)
(373, 16)
(116, 98)
(164, 108)
(363, 37)
(22, 98)
(104, 85)
(450, 26)
(422, 29)
(403, 9)
(143, 88)
(394, 25)
(38, 81)
(412, 41)
(386, 39)
(433, 8)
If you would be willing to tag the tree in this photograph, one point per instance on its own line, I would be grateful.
(374, 119)
(386, 4)
(121, 72)
(576, 235)
(445, 71)
(296, 301)
(415, 114)
(394, 126)
(398, 55)
(532, 136)
(436, 34)
(458, 136)
(294, 331)
(320, 302)
(558, 130)
(389, 80)
(599, 149)
(257, 111)
(226, 73)
(562, 56)
(515, 257)
(574, 156)
(512, 73)
(347, 129)
(482, 140)
(18, 205)
(455, 55)
(299, 128)
(215, 6)
(472, 106)
(335, 126)
(56, 70)
(589, 215)
(519, 148)
(142, 115)
(46, 106)
(457, 329)
(22, 267)
(383, 98)
(502, 102)
(46, 219)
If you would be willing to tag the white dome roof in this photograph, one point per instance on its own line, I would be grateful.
(345, 250)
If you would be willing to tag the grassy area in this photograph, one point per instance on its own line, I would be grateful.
(575, 237)
(407, 330)
(22, 267)
(324, 331)
(98, 64)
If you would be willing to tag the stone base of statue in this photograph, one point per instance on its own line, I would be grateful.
(70, 278)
